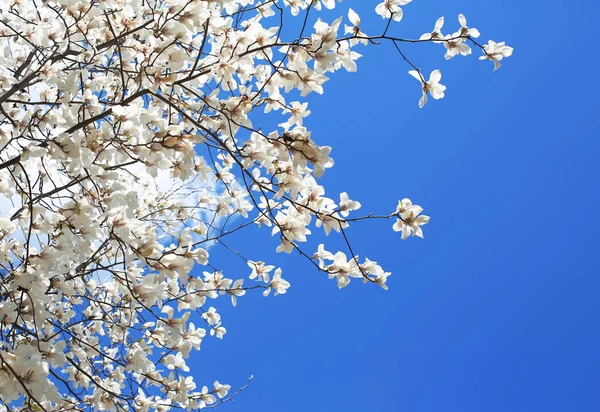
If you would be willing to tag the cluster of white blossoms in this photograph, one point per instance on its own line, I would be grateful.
(128, 155)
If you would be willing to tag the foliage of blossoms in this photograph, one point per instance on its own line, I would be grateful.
(128, 150)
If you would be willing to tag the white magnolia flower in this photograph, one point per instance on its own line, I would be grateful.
(176, 362)
(218, 331)
(455, 47)
(466, 31)
(221, 390)
(236, 290)
(436, 35)
(355, 29)
(211, 316)
(347, 205)
(278, 284)
(432, 86)
(409, 221)
(391, 9)
(496, 52)
(321, 255)
(260, 270)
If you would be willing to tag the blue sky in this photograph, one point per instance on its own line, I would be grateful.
(497, 308)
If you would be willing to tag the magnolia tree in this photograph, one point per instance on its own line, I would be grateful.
(129, 153)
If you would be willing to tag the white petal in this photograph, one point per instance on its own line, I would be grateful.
(422, 220)
(405, 232)
(438, 92)
(439, 24)
(398, 15)
(416, 75)
(435, 77)
(353, 17)
(418, 232)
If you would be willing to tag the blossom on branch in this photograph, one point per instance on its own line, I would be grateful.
(432, 86)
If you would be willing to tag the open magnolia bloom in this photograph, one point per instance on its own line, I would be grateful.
(466, 31)
(436, 35)
(496, 52)
(131, 152)
(432, 86)
(409, 221)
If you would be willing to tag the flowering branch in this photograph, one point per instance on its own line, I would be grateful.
(130, 157)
